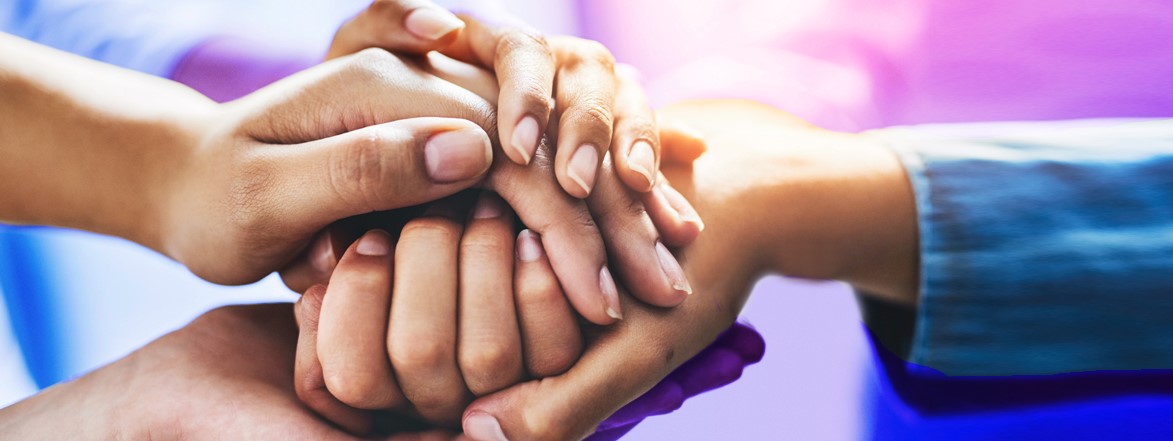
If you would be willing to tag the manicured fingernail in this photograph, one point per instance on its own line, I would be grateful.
(489, 206)
(432, 23)
(529, 246)
(682, 206)
(610, 294)
(374, 243)
(457, 155)
(481, 426)
(525, 138)
(672, 269)
(583, 167)
(642, 160)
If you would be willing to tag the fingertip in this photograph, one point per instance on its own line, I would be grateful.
(524, 140)
(581, 171)
(432, 24)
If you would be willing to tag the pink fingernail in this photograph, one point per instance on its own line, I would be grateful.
(525, 138)
(672, 269)
(457, 155)
(610, 294)
(322, 254)
(529, 246)
(489, 206)
(583, 167)
(642, 160)
(431, 23)
(481, 426)
(374, 243)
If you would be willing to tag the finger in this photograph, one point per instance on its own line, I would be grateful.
(672, 214)
(626, 361)
(642, 261)
(584, 101)
(635, 147)
(309, 383)
(680, 143)
(524, 65)
(421, 339)
(353, 326)
(315, 265)
(550, 333)
(489, 350)
(569, 233)
(382, 167)
(413, 26)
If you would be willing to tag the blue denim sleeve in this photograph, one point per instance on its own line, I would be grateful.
(1045, 247)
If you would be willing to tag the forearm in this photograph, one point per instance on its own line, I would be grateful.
(88, 145)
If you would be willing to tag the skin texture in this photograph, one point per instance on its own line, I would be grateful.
(591, 106)
(779, 196)
(767, 184)
(237, 191)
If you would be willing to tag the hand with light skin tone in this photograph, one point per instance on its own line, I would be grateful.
(778, 196)
(227, 375)
(235, 191)
(470, 314)
(590, 115)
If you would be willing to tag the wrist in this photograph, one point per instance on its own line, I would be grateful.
(841, 208)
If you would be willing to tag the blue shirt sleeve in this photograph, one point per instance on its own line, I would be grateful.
(1045, 247)
(124, 33)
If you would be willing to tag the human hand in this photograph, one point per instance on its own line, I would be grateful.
(224, 376)
(636, 238)
(763, 170)
(468, 316)
(574, 78)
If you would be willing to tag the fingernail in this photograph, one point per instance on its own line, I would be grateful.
(432, 23)
(642, 160)
(489, 206)
(481, 426)
(322, 256)
(529, 246)
(610, 294)
(672, 269)
(682, 206)
(583, 166)
(374, 243)
(525, 138)
(457, 155)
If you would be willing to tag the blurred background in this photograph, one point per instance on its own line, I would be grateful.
(78, 301)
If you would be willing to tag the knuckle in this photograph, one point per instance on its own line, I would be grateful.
(553, 361)
(518, 39)
(490, 365)
(539, 293)
(360, 174)
(354, 387)
(481, 244)
(594, 112)
(387, 9)
(430, 230)
(419, 355)
(373, 63)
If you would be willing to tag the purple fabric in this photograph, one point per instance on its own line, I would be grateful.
(718, 365)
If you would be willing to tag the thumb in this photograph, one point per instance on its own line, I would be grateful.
(381, 167)
(414, 26)
(628, 360)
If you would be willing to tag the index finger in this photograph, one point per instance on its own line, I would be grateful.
(524, 65)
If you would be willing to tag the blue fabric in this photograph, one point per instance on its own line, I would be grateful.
(124, 33)
(1046, 249)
